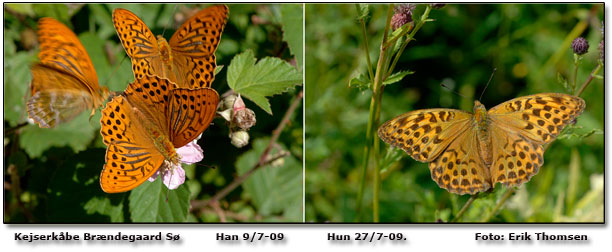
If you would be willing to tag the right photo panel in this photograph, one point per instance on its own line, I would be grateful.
(454, 113)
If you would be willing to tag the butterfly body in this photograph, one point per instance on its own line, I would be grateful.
(471, 152)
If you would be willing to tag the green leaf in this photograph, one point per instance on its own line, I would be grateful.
(25, 9)
(398, 76)
(16, 86)
(57, 11)
(74, 193)
(270, 76)
(292, 21)
(362, 82)
(363, 11)
(275, 188)
(563, 81)
(76, 134)
(218, 69)
(152, 202)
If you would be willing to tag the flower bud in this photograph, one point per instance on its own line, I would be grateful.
(228, 102)
(402, 15)
(240, 138)
(242, 117)
(580, 46)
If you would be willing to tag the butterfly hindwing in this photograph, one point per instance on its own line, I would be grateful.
(460, 168)
(190, 113)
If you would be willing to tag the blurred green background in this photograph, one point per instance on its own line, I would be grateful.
(529, 46)
(51, 175)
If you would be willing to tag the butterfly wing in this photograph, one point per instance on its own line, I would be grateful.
(62, 98)
(131, 156)
(61, 49)
(519, 129)
(460, 169)
(190, 113)
(139, 43)
(424, 134)
(194, 45)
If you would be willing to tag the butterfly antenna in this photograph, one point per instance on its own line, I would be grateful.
(449, 89)
(490, 78)
(116, 68)
(171, 19)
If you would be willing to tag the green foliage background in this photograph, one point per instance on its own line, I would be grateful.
(52, 174)
(529, 46)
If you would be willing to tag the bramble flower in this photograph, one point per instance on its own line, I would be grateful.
(173, 175)
(580, 45)
(402, 15)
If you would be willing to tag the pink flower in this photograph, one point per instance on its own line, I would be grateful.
(173, 175)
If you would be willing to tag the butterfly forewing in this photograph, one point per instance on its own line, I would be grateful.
(424, 134)
(539, 117)
(60, 48)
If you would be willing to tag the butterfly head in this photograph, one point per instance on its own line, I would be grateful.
(164, 50)
(480, 113)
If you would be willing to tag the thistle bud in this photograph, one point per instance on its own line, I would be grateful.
(240, 138)
(402, 15)
(580, 46)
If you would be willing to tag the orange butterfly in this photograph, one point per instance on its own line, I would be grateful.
(64, 83)
(470, 153)
(187, 60)
(143, 127)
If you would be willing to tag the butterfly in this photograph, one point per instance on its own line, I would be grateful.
(470, 153)
(64, 83)
(143, 127)
(188, 59)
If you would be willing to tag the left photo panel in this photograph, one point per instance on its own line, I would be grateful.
(153, 113)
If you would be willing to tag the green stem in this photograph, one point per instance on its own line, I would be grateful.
(588, 81)
(499, 204)
(465, 207)
(576, 63)
(365, 41)
(372, 116)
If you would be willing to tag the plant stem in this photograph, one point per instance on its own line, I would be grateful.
(576, 63)
(465, 207)
(588, 81)
(499, 204)
(263, 159)
(365, 41)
